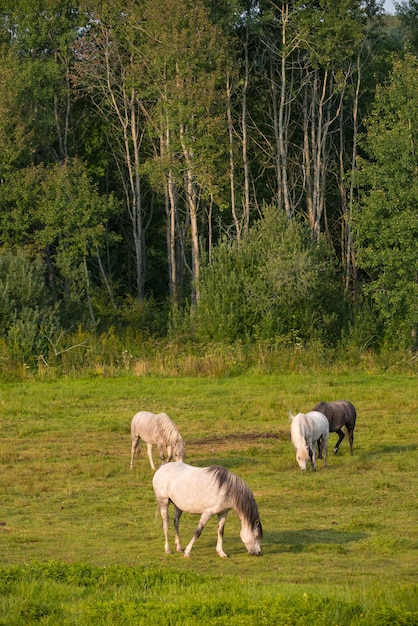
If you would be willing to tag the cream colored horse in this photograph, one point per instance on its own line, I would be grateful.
(305, 430)
(206, 491)
(156, 429)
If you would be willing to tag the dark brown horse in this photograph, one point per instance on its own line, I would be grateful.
(339, 414)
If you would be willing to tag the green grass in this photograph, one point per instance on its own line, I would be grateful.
(80, 542)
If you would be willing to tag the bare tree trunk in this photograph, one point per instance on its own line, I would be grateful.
(351, 270)
(87, 277)
(136, 214)
(277, 167)
(307, 161)
(105, 279)
(192, 203)
(171, 211)
(318, 118)
(232, 160)
(246, 199)
(281, 122)
(210, 232)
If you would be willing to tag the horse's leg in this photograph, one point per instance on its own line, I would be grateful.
(160, 447)
(163, 504)
(134, 448)
(351, 439)
(221, 526)
(312, 455)
(325, 448)
(177, 515)
(340, 438)
(320, 446)
(204, 518)
(149, 452)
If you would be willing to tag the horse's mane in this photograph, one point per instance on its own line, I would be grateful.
(298, 439)
(236, 488)
(167, 429)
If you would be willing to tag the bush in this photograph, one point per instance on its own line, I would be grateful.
(278, 282)
(27, 317)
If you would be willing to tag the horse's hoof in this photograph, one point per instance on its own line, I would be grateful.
(186, 556)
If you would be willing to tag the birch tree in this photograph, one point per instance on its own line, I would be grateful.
(334, 32)
(183, 61)
(107, 70)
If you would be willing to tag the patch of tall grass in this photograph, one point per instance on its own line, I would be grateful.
(109, 355)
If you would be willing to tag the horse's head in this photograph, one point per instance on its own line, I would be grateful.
(179, 451)
(251, 537)
(302, 455)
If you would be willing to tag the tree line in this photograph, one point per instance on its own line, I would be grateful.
(237, 170)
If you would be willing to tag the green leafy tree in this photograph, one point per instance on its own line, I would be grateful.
(386, 224)
(36, 106)
(57, 213)
(407, 11)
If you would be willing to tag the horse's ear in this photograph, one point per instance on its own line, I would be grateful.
(258, 525)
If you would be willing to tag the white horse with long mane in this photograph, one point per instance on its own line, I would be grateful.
(156, 429)
(206, 491)
(305, 430)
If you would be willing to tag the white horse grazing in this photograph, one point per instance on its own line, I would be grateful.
(156, 429)
(206, 491)
(305, 430)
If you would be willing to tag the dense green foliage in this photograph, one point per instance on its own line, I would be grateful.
(387, 222)
(278, 283)
(27, 314)
(137, 164)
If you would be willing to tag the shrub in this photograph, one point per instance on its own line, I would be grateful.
(27, 317)
(278, 282)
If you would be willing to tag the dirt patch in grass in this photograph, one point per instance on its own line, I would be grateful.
(240, 437)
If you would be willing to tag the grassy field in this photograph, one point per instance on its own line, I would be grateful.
(80, 542)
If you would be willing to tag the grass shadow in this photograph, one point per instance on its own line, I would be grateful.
(307, 539)
(230, 463)
(391, 449)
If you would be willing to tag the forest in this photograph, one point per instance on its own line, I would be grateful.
(202, 173)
